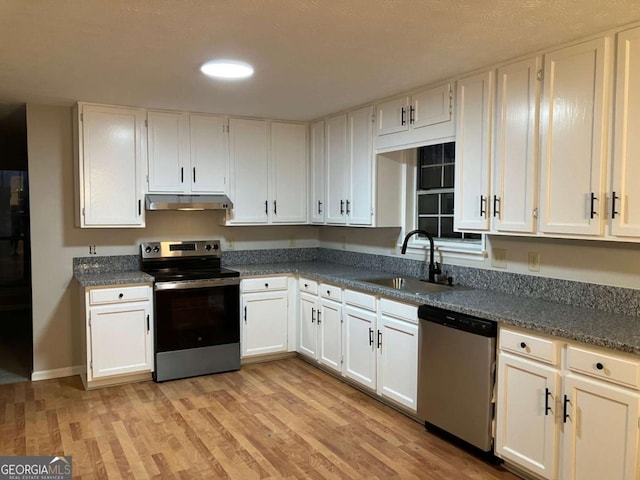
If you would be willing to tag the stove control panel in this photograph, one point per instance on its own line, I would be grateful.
(194, 248)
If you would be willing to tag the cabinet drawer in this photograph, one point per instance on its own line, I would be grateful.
(604, 366)
(331, 291)
(264, 284)
(100, 296)
(403, 311)
(529, 346)
(309, 286)
(358, 299)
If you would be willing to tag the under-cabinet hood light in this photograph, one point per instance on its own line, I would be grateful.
(227, 69)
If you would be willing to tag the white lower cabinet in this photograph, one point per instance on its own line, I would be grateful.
(320, 323)
(330, 334)
(118, 333)
(360, 345)
(527, 431)
(372, 342)
(398, 352)
(265, 314)
(588, 429)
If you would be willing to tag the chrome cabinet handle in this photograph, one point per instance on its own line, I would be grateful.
(313, 315)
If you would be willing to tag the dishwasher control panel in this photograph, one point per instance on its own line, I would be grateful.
(460, 321)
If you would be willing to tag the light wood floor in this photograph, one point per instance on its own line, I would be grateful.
(283, 419)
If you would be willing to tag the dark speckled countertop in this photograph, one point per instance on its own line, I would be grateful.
(596, 327)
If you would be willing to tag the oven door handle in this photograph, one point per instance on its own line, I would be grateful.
(219, 282)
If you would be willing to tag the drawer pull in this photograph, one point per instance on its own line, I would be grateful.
(266, 285)
(306, 285)
(121, 295)
(329, 292)
(599, 366)
(523, 345)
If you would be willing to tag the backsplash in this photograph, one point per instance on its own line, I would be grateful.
(620, 300)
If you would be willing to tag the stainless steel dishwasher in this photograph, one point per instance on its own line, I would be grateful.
(456, 371)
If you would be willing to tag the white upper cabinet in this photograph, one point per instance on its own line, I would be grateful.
(316, 166)
(209, 154)
(268, 172)
(109, 168)
(515, 149)
(337, 168)
(625, 195)
(187, 153)
(573, 129)
(288, 165)
(414, 120)
(360, 176)
(249, 150)
(473, 152)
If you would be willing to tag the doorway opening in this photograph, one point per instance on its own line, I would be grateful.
(16, 341)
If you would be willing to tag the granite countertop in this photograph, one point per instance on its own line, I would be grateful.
(112, 278)
(596, 327)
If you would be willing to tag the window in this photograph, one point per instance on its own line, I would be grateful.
(434, 199)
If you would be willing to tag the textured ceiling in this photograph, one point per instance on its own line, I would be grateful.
(312, 57)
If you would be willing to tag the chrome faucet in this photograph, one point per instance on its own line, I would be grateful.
(434, 267)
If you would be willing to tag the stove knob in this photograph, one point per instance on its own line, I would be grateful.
(156, 249)
(216, 247)
(207, 247)
(148, 249)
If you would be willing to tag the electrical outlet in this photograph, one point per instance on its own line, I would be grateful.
(393, 245)
(534, 261)
(344, 242)
(230, 245)
(499, 258)
(292, 242)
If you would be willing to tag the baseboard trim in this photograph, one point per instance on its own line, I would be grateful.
(56, 373)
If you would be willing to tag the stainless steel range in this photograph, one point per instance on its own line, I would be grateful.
(197, 309)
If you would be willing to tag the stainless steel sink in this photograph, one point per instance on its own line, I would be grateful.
(408, 284)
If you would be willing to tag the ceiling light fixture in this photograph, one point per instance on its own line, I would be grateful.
(227, 69)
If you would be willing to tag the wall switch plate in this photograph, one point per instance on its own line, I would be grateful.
(499, 258)
(344, 242)
(230, 245)
(292, 242)
(534, 261)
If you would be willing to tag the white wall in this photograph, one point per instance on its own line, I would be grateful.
(600, 262)
(55, 240)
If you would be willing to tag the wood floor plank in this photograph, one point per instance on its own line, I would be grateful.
(280, 420)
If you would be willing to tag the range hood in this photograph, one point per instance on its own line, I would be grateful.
(187, 202)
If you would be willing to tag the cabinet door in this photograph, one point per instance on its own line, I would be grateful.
(264, 325)
(392, 116)
(398, 361)
(473, 151)
(330, 331)
(430, 107)
(288, 173)
(601, 431)
(110, 166)
(316, 165)
(626, 151)
(307, 326)
(361, 339)
(360, 176)
(527, 413)
(336, 168)
(573, 148)
(249, 141)
(168, 140)
(515, 148)
(209, 154)
(121, 340)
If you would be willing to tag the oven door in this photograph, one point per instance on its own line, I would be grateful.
(195, 314)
